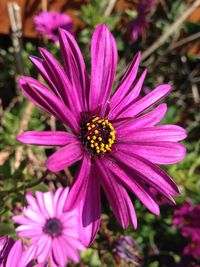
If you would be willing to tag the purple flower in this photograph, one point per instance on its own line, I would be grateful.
(52, 232)
(126, 248)
(187, 218)
(48, 22)
(138, 26)
(17, 254)
(117, 145)
(6, 244)
(193, 248)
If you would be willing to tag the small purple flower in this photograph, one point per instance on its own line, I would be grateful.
(47, 24)
(187, 219)
(138, 26)
(53, 233)
(193, 248)
(118, 147)
(126, 248)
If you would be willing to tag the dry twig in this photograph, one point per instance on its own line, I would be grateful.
(184, 41)
(22, 128)
(14, 13)
(170, 30)
(110, 7)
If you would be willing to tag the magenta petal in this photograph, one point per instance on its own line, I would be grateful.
(126, 82)
(15, 254)
(47, 101)
(146, 102)
(89, 211)
(64, 157)
(44, 246)
(80, 184)
(148, 120)
(131, 96)
(153, 134)
(59, 251)
(149, 172)
(39, 64)
(118, 198)
(46, 138)
(131, 210)
(103, 66)
(74, 65)
(139, 190)
(61, 81)
(60, 198)
(156, 152)
(28, 256)
(114, 194)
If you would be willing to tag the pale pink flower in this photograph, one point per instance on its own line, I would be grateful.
(52, 232)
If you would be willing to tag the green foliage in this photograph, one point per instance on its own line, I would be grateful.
(93, 14)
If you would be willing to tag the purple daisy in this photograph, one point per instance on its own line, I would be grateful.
(52, 232)
(138, 26)
(48, 22)
(117, 145)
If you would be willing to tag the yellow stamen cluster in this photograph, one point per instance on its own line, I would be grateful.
(100, 136)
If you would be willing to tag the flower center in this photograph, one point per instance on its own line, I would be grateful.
(97, 136)
(53, 227)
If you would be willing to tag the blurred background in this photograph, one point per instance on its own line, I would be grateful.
(167, 32)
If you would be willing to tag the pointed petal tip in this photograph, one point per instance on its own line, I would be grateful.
(177, 192)
(31, 57)
(102, 28)
(21, 79)
(138, 56)
(34, 59)
(144, 73)
(88, 239)
(22, 82)
(166, 86)
(19, 138)
(134, 225)
(184, 133)
(43, 51)
(62, 31)
(163, 106)
(156, 211)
